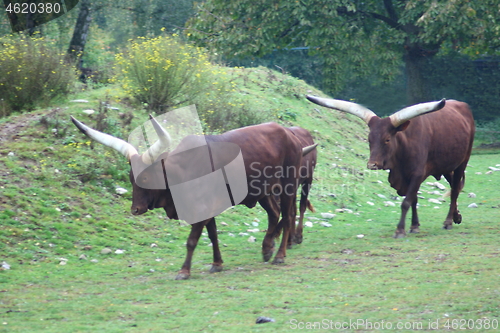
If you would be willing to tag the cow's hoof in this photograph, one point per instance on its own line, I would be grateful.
(399, 235)
(182, 276)
(415, 230)
(448, 226)
(267, 255)
(216, 269)
(298, 239)
(278, 261)
(457, 218)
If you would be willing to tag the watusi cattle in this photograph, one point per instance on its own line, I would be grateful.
(306, 177)
(268, 150)
(415, 143)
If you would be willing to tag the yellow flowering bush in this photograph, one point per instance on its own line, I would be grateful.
(32, 71)
(163, 72)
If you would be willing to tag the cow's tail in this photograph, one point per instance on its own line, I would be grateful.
(462, 182)
(310, 206)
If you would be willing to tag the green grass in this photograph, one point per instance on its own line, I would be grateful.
(435, 276)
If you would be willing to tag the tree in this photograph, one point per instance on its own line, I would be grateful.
(80, 33)
(354, 38)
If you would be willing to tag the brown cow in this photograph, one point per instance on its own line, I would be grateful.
(306, 177)
(430, 144)
(271, 154)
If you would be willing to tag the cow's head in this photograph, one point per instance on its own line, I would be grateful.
(150, 188)
(382, 130)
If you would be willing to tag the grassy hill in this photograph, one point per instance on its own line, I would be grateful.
(59, 188)
(59, 209)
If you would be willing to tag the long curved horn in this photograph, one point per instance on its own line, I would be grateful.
(308, 149)
(349, 107)
(162, 133)
(123, 147)
(410, 112)
(160, 146)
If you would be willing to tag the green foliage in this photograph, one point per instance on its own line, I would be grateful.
(5, 27)
(32, 72)
(153, 16)
(98, 56)
(125, 19)
(353, 38)
(254, 28)
(471, 27)
(163, 72)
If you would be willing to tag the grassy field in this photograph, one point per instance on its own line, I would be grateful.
(59, 210)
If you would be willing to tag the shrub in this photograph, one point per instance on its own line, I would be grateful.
(32, 72)
(163, 72)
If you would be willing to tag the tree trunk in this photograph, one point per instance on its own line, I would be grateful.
(77, 44)
(416, 59)
(416, 87)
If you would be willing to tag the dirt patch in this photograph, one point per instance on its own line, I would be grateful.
(15, 125)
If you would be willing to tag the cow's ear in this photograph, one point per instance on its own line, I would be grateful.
(403, 126)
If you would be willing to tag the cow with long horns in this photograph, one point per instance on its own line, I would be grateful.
(415, 143)
(272, 157)
(306, 178)
(306, 172)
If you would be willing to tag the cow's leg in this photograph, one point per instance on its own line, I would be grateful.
(297, 231)
(271, 207)
(414, 218)
(192, 241)
(409, 201)
(212, 234)
(447, 223)
(291, 235)
(456, 180)
(288, 212)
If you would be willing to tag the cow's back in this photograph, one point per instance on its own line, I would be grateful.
(259, 144)
(303, 135)
(442, 139)
(269, 151)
